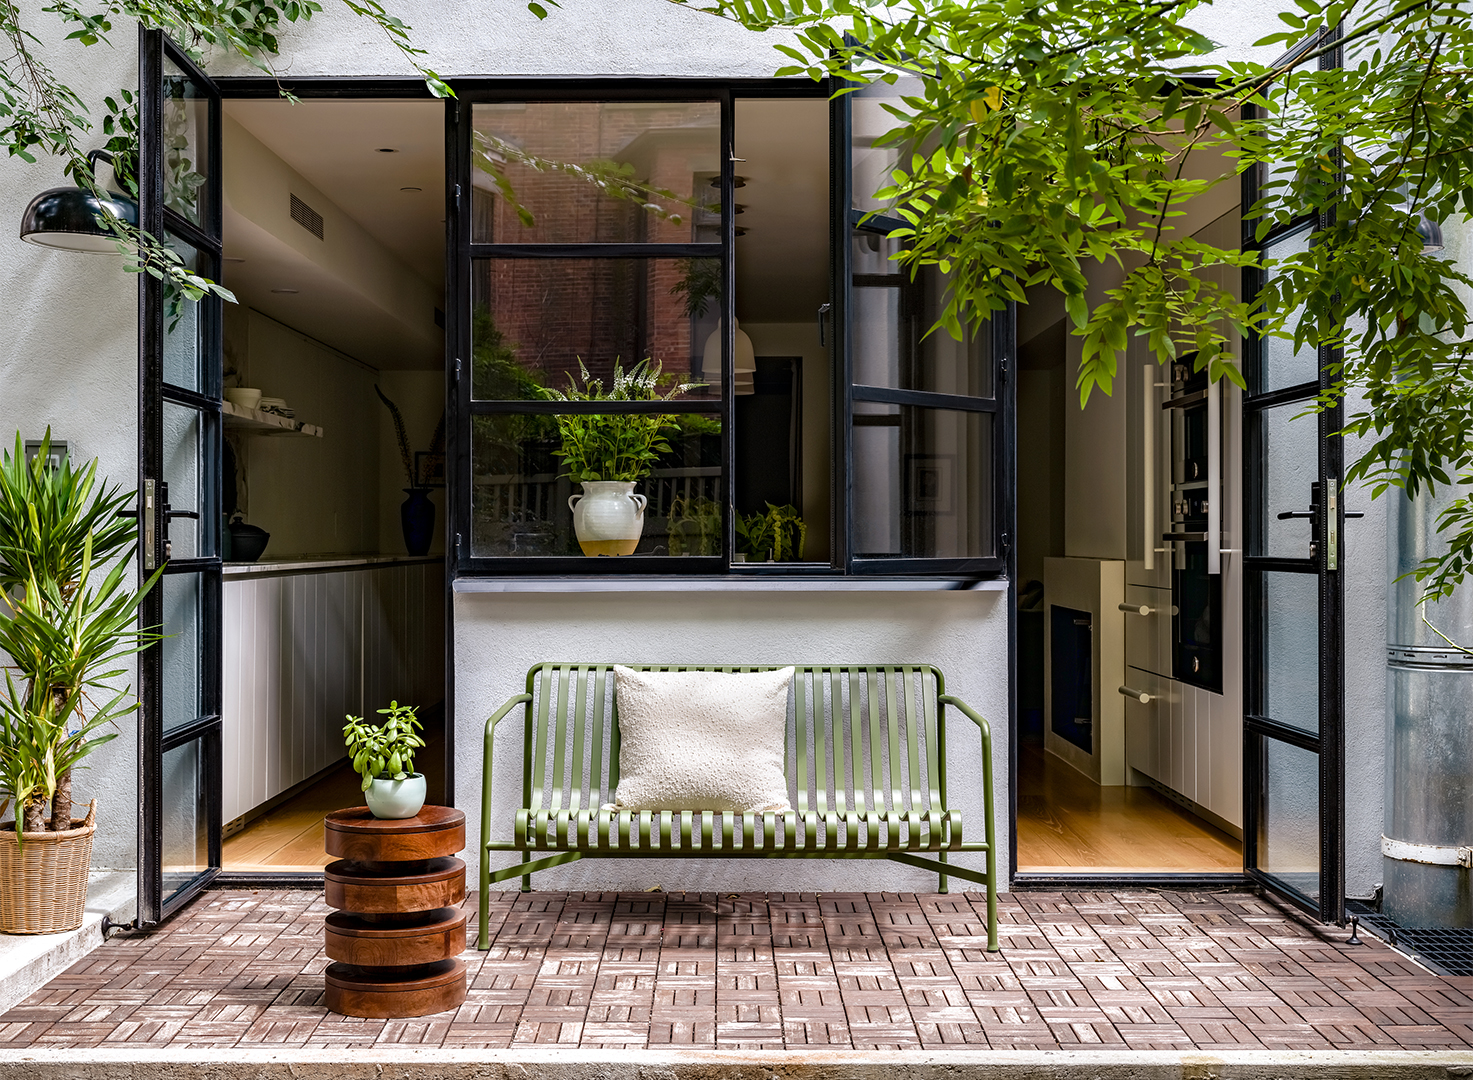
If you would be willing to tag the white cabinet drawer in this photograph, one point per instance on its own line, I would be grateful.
(1148, 637)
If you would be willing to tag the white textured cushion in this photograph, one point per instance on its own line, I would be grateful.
(702, 740)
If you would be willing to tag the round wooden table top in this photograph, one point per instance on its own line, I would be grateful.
(359, 819)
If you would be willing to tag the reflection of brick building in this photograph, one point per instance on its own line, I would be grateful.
(553, 312)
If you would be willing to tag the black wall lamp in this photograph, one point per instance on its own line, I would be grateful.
(73, 218)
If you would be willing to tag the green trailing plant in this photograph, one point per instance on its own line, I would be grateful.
(66, 633)
(384, 751)
(694, 526)
(779, 531)
(1033, 141)
(615, 446)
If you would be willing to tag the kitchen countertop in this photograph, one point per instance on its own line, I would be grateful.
(296, 564)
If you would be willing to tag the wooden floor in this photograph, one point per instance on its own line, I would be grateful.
(1067, 823)
(290, 837)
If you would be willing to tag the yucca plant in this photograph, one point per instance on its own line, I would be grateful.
(66, 633)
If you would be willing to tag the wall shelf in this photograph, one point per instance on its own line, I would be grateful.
(256, 422)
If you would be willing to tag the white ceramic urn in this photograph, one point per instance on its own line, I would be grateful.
(608, 517)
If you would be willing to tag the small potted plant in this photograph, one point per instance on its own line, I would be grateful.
(608, 453)
(383, 755)
(778, 535)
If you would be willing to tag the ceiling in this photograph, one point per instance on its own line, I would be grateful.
(335, 146)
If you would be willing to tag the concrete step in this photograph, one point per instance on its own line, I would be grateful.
(29, 961)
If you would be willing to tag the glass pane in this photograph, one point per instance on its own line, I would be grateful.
(569, 172)
(186, 838)
(183, 438)
(891, 318)
(534, 321)
(1288, 455)
(1289, 816)
(521, 491)
(873, 163)
(1291, 649)
(185, 340)
(922, 482)
(183, 647)
(1280, 365)
(186, 140)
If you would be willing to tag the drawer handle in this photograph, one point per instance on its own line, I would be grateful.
(1136, 609)
(1140, 695)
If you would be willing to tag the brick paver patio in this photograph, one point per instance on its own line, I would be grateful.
(1127, 970)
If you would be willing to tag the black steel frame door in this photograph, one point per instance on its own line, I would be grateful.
(1293, 729)
(179, 448)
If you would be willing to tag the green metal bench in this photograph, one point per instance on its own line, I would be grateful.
(866, 767)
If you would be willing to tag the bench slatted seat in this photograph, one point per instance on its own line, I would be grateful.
(866, 769)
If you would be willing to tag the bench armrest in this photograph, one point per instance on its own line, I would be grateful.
(497, 717)
(989, 824)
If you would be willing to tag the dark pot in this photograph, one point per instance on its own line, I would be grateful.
(417, 516)
(247, 542)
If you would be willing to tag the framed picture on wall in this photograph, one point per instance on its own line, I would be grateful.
(429, 468)
(930, 483)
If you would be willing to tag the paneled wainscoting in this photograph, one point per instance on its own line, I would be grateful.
(305, 647)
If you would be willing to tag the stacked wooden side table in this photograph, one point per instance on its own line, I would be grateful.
(397, 933)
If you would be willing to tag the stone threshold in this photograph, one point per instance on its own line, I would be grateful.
(30, 961)
(178, 1063)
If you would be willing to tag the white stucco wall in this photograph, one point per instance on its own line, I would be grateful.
(500, 635)
(68, 358)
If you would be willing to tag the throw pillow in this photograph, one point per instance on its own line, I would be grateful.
(702, 740)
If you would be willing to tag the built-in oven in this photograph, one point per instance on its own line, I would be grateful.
(1194, 538)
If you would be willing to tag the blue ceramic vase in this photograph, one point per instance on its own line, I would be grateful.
(417, 515)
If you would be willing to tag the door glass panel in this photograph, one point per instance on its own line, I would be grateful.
(183, 625)
(568, 172)
(1289, 815)
(186, 836)
(1291, 649)
(871, 121)
(520, 491)
(536, 322)
(1288, 455)
(893, 343)
(1280, 363)
(186, 135)
(185, 341)
(922, 482)
(183, 437)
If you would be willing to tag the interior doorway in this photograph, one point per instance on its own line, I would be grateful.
(334, 460)
(1130, 719)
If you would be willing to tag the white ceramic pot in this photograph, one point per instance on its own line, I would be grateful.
(391, 799)
(608, 517)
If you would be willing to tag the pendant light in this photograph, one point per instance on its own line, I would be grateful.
(72, 218)
(746, 359)
(1430, 232)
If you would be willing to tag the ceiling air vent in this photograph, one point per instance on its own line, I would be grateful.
(306, 217)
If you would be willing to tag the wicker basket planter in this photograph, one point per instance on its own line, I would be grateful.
(43, 883)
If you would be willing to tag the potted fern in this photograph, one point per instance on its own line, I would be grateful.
(67, 625)
(608, 453)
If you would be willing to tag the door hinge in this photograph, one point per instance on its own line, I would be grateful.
(457, 547)
(457, 193)
(1002, 371)
(1004, 544)
(457, 372)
